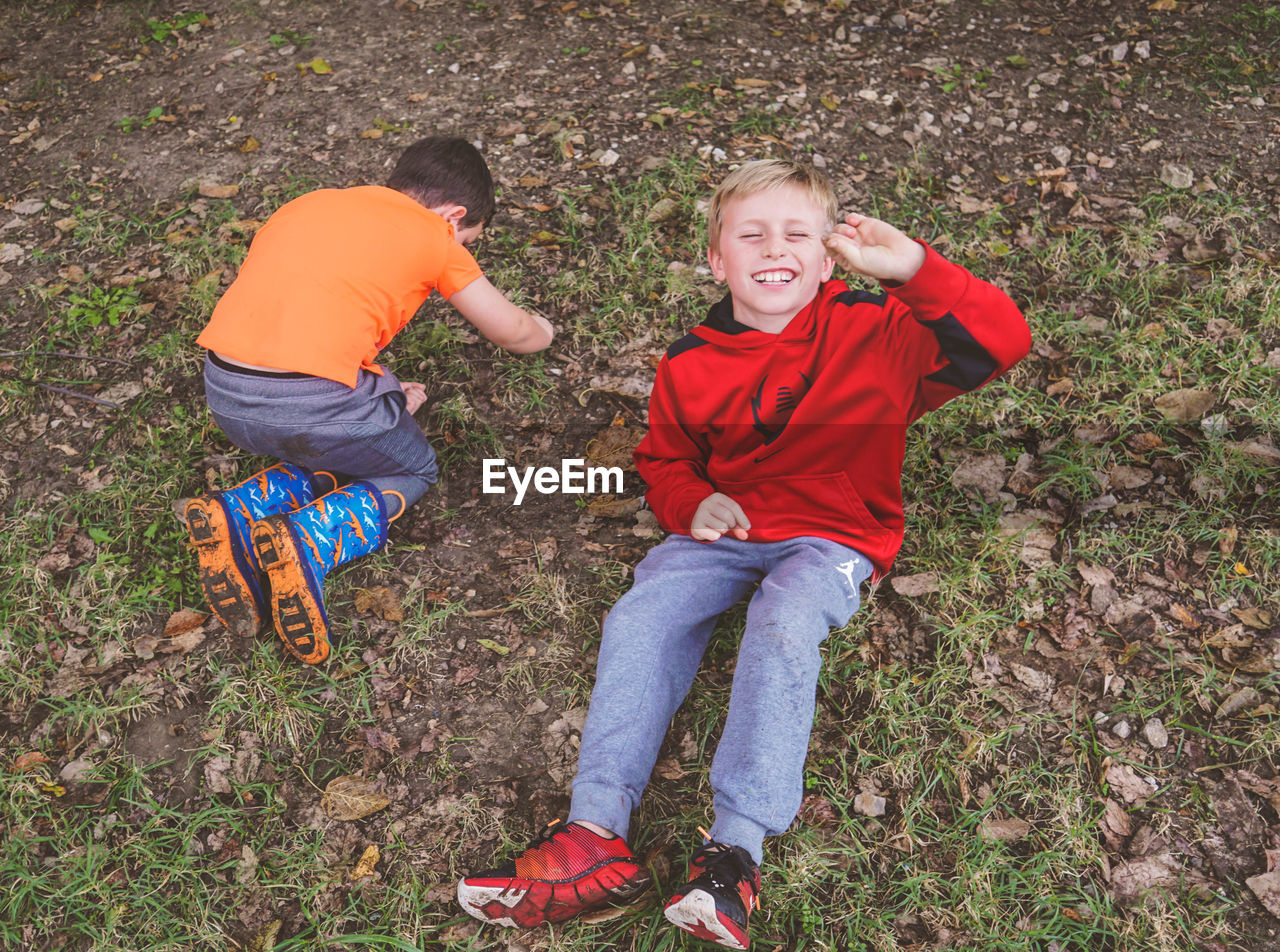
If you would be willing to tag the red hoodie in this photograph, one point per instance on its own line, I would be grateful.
(806, 429)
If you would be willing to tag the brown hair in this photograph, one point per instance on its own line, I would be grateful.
(762, 175)
(442, 170)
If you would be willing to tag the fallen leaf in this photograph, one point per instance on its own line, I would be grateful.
(1126, 781)
(913, 586)
(183, 621)
(250, 144)
(317, 65)
(380, 601)
(1116, 825)
(1266, 886)
(30, 760)
(1010, 829)
(209, 190)
(1245, 699)
(1133, 881)
(265, 940)
(351, 797)
(1181, 406)
(609, 507)
(493, 646)
(368, 860)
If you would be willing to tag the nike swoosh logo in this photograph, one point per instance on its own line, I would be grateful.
(761, 459)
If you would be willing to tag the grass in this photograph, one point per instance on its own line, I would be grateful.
(121, 862)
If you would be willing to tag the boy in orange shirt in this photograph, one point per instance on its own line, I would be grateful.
(289, 372)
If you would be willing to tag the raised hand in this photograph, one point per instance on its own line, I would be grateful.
(875, 248)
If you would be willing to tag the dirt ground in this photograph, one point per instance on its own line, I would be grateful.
(1090, 103)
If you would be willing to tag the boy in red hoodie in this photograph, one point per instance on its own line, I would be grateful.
(774, 459)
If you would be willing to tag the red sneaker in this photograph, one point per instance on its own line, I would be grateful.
(566, 871)
(723, 888)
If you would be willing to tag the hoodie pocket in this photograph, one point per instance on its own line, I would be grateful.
(785, 507)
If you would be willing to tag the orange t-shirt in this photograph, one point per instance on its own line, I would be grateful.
(331, 277)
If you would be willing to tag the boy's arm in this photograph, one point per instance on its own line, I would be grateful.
(510, 327)
(976, 333)
(672, 460)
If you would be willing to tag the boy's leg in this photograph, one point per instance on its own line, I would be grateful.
(219, 525)
(653, 642)
(757, 775)
(361, 433)
(298, 549)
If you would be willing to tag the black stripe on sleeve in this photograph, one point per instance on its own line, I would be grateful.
(969, 362)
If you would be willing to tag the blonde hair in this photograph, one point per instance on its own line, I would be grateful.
(762, 175)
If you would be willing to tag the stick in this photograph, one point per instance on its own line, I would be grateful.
(61, 353)
(72, 393)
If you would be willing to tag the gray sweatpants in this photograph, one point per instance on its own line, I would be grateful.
(653, 642)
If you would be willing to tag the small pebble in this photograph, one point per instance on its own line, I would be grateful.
(1155, 733)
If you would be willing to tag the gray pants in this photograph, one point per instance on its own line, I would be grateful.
(653, 642)
(361, 433)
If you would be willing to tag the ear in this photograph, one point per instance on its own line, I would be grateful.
(453, 214)
(716, 262)
(828, 265)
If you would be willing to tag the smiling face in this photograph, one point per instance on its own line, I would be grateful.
(771, 255)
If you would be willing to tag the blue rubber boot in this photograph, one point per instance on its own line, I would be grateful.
(298, 549)
(220, 524)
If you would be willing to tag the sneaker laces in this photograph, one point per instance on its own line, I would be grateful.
(722, 865)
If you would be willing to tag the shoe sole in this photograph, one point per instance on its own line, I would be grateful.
(504, 903)
(298, 617)
(695, 913)
(227, 591)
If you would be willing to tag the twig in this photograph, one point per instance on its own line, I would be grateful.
(72, 393)
(61, 353)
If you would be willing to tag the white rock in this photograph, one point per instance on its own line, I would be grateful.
(1119, 52)
(1143, 49)
(609, 158)
(1085, 59)
(1061, 154)
(1215, 425)
(1121, 729)
(868, 804)
(1177, 176)
(1155, 733)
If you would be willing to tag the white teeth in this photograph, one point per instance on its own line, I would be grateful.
(773, 277)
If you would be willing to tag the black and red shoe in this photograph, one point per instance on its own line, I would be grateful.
(723, 888)
(565, 872)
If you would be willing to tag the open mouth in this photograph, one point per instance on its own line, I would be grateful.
(774, 278)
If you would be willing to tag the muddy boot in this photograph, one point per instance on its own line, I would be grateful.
(298, 549)
(219, 525)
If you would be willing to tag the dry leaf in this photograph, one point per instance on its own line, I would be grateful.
(1010, 829)
(183, 621)
(250, 144)
(265, 940)
(1266, 886)
(29, 760)
(913, 586)
(1125, 781)
(380, 601)
(610, 507)
(1181, 406)
(368, 860)
(209, 190)
(351, 797)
